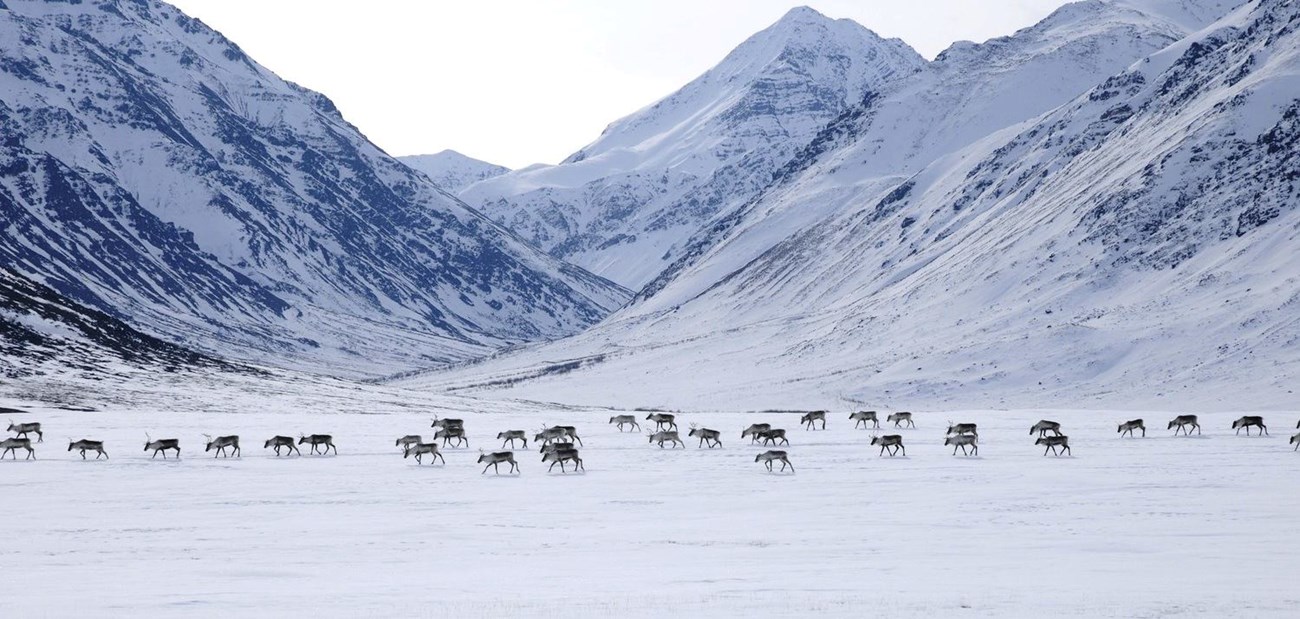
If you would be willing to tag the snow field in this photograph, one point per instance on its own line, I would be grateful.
(1201, 526)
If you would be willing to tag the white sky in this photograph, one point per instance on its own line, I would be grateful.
(517, 82)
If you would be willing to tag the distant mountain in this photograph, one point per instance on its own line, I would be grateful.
(1129, 247)
(453, 171)
(151, 170)
(623, 206)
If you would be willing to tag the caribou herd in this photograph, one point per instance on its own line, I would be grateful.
(559, 444)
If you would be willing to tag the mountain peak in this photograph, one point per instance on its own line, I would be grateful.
(805, 15)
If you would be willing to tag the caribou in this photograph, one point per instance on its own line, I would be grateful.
(961, 428)
(281, 441)
(85, 445)
(754, 430)
(768, 456)
(447, 423)
(862, 417)
(1250, 421)
(10, 444)
(666, 436)
(809, 420)
(555, 433)
(20, 430)
(663, 420)
(495, 459)
(316, 440)
(162, 445)
(560, 456)
(962, 441)
(712, 437)
(1044, 426)
(899, 418)
(1052, 442)
(1129, 426)
(510, 436)
(623, 420)
(221, 443)
(408, 440)
(1181, 422)
(551, 447)
(1295, 440)
(419, 449)
(772, 436)
(893, 442)
(446, 434)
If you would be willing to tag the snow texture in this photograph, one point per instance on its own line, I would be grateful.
(453, 171)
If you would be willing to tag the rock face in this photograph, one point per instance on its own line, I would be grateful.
(1130, 246)
(622, 206)
(151, 170)
(453, 171)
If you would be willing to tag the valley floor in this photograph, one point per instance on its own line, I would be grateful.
(1201, 527)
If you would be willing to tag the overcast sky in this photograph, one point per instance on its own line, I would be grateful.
(517, 82)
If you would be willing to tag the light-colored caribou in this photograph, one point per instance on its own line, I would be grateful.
(892, 442)
(774, 454)
(712, 437)
(1248, 422)
(1053, 442)
(773, 436)
(560, 456)
(754, 430)
(316, 440)
(809, 419)
(963, 441)
(10, 444)
(446, 434)
(862, 417)
(408, 440)
(20, 430)
(624, 420)
(663, 420)
(419, 449)
(962, 428)
(85, 445)
(447, 423)
(899, 418)
(666, 436)
(1181, 422)
(495, 459)
(221, 443)
(282, 441)
(510, 436)
(1043, 427)
(162, 445)
(1129, 426)
(555, 433)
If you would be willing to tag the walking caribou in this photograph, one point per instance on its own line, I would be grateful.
(510, 436)
(774, 454)
(162, 445)
(1129, 426)
(419, 449)
(10, 444)
(446, 434)
(445, 424)
(1181, 422)
(1250, 421)
(663, 420)
(408, 440)
(893, 442)
(623, 420)
(560, 456)
(809, 419)
(772, 436)
(712, 437)
(666, 436)
(961, 428)
(495, 459)
(754, 430)
(282, 441)
(551, 447)
(88, 445)
(20, 430)
(1044, 426)
(862, 417)
(1052, 442)
(963, 440)
(316, 440)
(221, 443)
(555, 433)
(899, 418)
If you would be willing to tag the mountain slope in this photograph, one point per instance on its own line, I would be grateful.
(621, 206)
(153, 171)
(453, 171)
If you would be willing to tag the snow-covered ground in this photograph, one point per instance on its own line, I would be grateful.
(1161, 526)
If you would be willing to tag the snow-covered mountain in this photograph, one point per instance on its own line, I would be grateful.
(150, 169)
(453, 171)
(1133, 246)
(622, 206)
